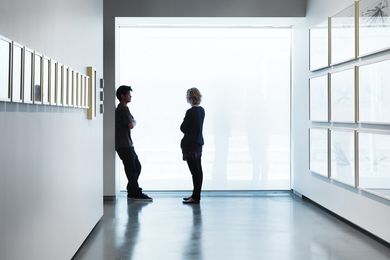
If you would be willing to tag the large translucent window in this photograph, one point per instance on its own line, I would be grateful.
(244, 77)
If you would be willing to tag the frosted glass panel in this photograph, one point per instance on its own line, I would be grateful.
(343, 156)
(244, 76)
(374, 93)
(319, 98)
(374, 26)
(374, 162)
(319, 151)
(319, 46)
(53, 93)
(343, 35)
(343, 96)
(45, 77)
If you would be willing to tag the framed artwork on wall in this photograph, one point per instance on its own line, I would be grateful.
(318, 46)
(319, 155)
(65, 85)
(374, 93)
(374, 26)
(86, 91)
(53, 82)
(28, 66)
(79, 89)
(37, 79)
(318, 93)
(5, 68)
(70, 87)
(45, 80)
(91, 72)
(343, 156)
(343, 34)
(374, 162)
(342, 100)
(17, 72)
(59, 84)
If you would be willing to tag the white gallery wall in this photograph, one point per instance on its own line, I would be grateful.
(367, 211)
(51, 182)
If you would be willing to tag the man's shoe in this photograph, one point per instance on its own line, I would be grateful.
(191, 201)
(187, 198)
(142, 197)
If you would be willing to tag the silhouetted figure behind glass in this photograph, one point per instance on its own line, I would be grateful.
(124, 122)
(192, 142)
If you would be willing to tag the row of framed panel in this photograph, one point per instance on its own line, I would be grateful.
(359, 94)
(359, 30)
(360, 159)
(27, 76)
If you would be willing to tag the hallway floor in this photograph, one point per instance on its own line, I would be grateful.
(242, 226)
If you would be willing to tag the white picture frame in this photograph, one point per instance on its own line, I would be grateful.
(5, 69)
(37, 79)
(343, 35)
(319, 151)
(343, 156)
(374, 93)
(343, 96)
(319, 98)
(374, 26)
(28, 74)
(17, 72)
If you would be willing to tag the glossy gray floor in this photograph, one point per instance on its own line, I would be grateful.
(240, 226)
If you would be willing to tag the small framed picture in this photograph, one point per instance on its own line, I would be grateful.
(5, 68)
(59, 84)
(45, 80)
(17, 72)
(28, 66)
(53, 82)
(64, 85)
(37, 79)
(70, 87)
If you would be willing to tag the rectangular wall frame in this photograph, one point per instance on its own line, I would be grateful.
(374, 162)
(374, 93)
(374, 26)
(319, 46)
(343, 96)
(37, 79)
(5, 68)
(91, 72)
(17, 72)
(342, 150)
(319, 98)
(319, 151)
(28, 72)
(343, 35)
(45, 80)
(53, 82)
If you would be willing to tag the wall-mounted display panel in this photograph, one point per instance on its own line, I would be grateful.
(53, 82)
(374, 163)
(319, 99)
(45, 80)
(374, 93)
(5, 69)
(70, 87)
(319, 46)
(64, 85)
(319, 151)
(28, 66)
(37, 78)
(343, 156)
(374, 26)
(17, 72)
(342, 33)
(75, 90)
(91, 72)
(343, 96)
(59, 85)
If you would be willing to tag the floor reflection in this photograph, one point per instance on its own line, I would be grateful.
(193, 248)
